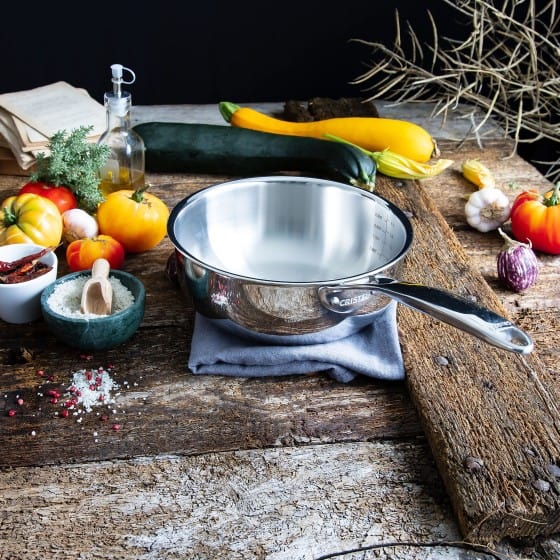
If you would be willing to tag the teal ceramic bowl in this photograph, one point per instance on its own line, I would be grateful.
(93, 332)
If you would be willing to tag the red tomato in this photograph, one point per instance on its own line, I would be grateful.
(536, 218)
(63, 197)
(82, 253)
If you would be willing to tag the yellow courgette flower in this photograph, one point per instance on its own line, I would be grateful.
(398, 166)
(478, 174)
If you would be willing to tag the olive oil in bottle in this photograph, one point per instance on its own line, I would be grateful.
(124, 168)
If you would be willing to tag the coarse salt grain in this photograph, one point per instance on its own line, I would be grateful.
(66, 297)
(89, 394)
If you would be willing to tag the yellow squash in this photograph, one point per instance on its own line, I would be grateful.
(374, 134)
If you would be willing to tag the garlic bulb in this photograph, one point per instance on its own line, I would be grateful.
(78, 224)
(487, 209)
(517, 263)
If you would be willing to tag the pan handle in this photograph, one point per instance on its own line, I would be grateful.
(445, 306)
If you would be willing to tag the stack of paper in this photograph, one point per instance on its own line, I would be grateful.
(29, 118)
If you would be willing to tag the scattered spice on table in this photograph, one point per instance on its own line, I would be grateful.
(86, 390)
(91, 388)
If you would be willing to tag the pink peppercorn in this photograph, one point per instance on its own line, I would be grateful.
(11, 412)
(116, 427)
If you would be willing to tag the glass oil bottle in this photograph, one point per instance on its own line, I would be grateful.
(124, 168)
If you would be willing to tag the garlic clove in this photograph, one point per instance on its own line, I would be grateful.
(78, 224)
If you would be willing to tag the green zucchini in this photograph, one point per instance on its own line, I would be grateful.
(227, 150)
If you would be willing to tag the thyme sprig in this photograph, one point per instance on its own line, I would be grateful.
(73, 162)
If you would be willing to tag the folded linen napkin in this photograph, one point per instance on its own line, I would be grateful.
(373, 351)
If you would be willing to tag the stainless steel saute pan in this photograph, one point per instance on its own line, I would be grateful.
(296, 260)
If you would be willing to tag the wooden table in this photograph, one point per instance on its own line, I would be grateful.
(298, 467)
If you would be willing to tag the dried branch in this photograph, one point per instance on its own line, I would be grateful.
(507, 66)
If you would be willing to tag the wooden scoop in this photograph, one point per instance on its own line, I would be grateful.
(97, 293)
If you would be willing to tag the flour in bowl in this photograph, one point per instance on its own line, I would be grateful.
(67, 297)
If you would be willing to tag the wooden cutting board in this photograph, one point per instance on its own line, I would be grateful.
(489, 416)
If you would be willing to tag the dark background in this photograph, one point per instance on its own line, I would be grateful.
(204, 52)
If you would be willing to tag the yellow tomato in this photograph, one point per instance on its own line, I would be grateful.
(30, 218)
(136, 219)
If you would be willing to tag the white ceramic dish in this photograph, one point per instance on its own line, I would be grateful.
(21, 302)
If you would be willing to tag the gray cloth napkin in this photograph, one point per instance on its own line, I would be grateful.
(373, 351)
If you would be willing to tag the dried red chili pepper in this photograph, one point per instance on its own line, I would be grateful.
(27, 272)
(11, 266)
(24, 269)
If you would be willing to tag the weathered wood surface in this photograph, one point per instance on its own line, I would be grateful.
(164, 409)
(290, 503)
(481, 405)
(307, 499)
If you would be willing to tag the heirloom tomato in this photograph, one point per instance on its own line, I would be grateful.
(536, 218)
(82, 253)
(135, 218)
(63, 197)
(30, 218)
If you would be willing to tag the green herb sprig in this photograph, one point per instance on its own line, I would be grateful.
(75, 163)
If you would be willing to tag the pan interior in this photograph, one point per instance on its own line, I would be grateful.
(287, 229)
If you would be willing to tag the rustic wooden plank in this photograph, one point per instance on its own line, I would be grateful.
(293, 503)
(162, 408)
(537, 308)
(478, 405)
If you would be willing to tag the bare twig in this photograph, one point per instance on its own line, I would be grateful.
(508, 66)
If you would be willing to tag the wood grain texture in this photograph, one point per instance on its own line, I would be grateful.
(325, 467)
(295, 503)
(483, 404)
(479, 405)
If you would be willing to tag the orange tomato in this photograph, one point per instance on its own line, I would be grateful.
(137, 219)
(82, 253)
